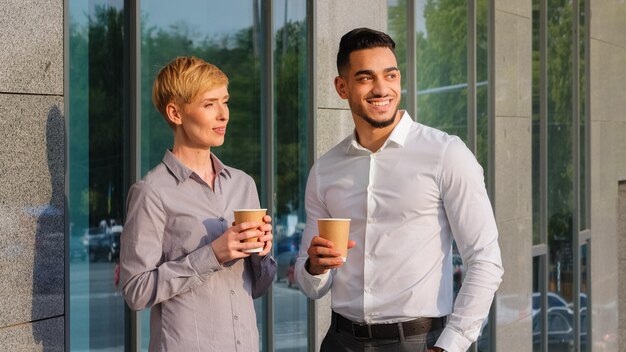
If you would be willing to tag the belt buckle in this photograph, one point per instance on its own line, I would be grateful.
(356, 336)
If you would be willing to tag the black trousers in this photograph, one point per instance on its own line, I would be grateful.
(341, 341)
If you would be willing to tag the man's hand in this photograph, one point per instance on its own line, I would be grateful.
(435, 349)
(323, 256)
(229, 246)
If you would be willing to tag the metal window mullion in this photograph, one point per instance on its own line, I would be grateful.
(132, 319)
(411, 59)
(66, 174)
(311, 27)
(268, 148)
(471, 92)
(471, 76)
(576, 179)
(491, 140)
(587, 141)
(543, 167)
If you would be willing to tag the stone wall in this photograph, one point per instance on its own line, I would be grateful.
(32, 150)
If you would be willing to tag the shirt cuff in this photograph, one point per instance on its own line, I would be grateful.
(452, 341)
(312, 284)
(203, 261)
(261, 263)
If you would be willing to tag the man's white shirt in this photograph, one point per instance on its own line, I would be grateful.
(408, 201)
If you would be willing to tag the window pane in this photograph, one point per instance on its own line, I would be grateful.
(584, 292)
(536, 305)
(226, 34)
(482, 86)
(584, 181)
(292, 165)
(442, 65)
(397, 29)
(560, 158)
(536, 132)
(97, 135)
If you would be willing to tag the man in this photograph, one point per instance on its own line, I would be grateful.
(179, 256)
(410, 190)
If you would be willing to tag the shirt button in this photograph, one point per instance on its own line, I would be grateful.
(238, 342)
(221, 219)
(370, 220)
(236, 317)
(232, 292)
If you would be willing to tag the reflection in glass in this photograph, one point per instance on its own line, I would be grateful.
(442, 65)
(537, 321)
(397, 29)
(226, 34)
(559, 148)
(585, 272)
(482, 88)
(536, 103)
(97, 133)
(290, 55)
(582, 96)
(560, 159)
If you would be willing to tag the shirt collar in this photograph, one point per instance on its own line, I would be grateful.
(397, 136)
(182, 172)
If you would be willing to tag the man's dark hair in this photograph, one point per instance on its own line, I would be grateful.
(359, 39)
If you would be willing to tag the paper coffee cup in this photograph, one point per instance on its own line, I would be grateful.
(250, 215)
(337, 231)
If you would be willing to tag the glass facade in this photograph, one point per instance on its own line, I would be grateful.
(290, 307)
(560, 177)
(261, 44)
(397, 16)
(442, 80)
(98, 172)
(234, 37)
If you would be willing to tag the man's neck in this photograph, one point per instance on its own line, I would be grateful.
(373, 138)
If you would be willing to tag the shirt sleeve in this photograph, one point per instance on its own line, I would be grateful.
(313, 286)
(145, 278)
(263, 271)
(474, 229)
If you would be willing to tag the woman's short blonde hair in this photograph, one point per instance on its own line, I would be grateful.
(181, 80)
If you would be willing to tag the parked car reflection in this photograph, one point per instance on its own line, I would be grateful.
(554, 300)
(104, 246)
(560, 331)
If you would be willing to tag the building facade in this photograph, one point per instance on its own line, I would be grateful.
(534, 88)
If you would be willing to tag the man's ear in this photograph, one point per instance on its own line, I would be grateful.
(174, 114)
(340, 86)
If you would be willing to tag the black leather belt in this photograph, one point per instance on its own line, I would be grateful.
(388, 331)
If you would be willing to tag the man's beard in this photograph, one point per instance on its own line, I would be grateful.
(379, 124)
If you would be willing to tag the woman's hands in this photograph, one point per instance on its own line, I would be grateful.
(267, 237)
(229, 245)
